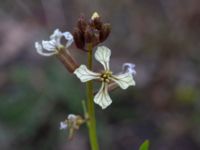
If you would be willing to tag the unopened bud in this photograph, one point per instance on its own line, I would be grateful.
(95, 15)
(97, 23)
(72, 123)
(79, 38)
(89, 35)
(82, 24)
(104, 32)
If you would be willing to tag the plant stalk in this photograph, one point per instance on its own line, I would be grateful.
(90, 105)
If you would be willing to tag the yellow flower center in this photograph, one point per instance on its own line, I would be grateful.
(105, 76)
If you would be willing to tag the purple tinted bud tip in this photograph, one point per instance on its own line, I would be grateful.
(129, 67)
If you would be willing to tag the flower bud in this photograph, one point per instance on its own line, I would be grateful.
(79, 38)
(82, 24)
(97, 23)
(104, 32)
(95, 15)
(91, 32)
(89, 35)
(72, 124)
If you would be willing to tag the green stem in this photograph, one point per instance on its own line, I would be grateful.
(90, 104)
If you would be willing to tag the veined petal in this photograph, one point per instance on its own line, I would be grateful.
(124, 80)
(57, 35)
(85, 75)
(41, 51)
(49, 45)
(69, 37)
(103, 56)
(102, 98)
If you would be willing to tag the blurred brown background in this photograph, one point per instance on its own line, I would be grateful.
(162, 37)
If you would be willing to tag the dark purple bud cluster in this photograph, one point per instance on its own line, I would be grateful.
(92, 32)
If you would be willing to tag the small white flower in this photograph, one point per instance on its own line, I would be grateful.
(72, 117)
(70, 122)
(124, 80)
(63, 125)
(51, 47)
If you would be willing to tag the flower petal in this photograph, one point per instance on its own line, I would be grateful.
(124, 80)
(129, 67)
(102, 98)
(63, 125)
(103, 56)
(41, 51)
(57, 35)
(38, 47)
(84, 74)
(49, 45)
(69, 37)
(71, 117)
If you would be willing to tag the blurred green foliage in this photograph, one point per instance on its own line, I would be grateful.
(145, 145)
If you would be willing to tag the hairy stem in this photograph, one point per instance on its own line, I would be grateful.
(90, 105)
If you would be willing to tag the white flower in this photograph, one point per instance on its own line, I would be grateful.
(124, 80)
(70, 122)
(63, 125)
(51, 47)
(72, 117)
